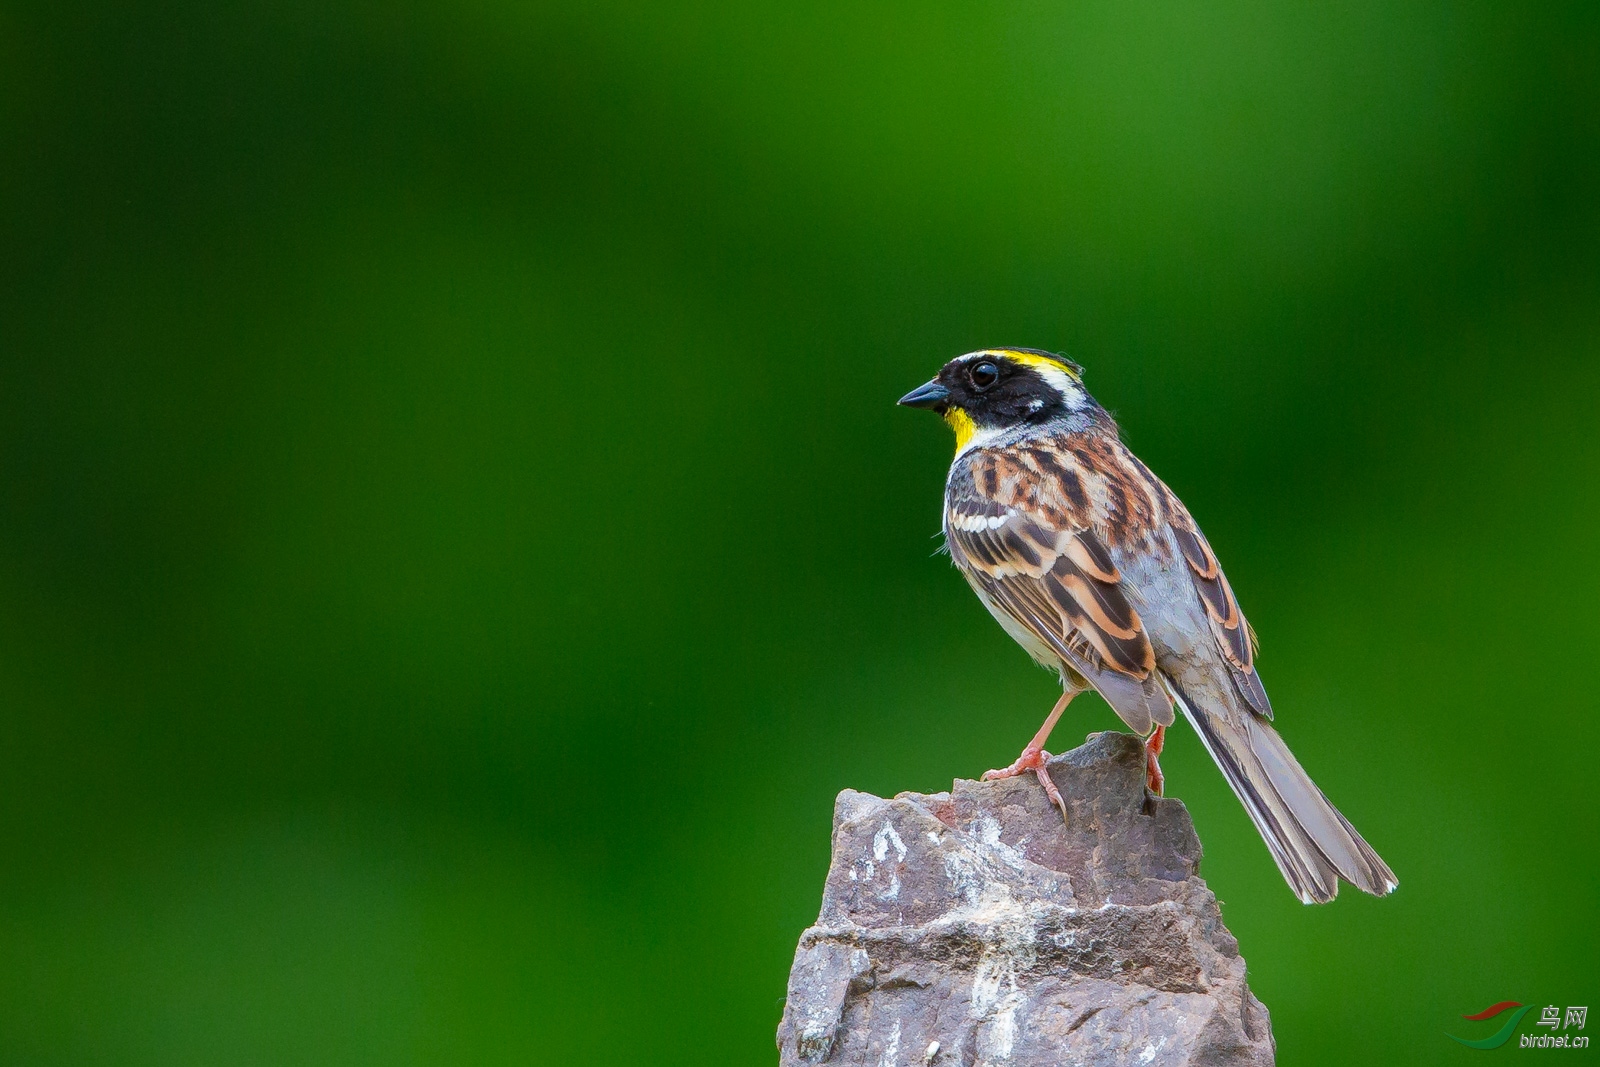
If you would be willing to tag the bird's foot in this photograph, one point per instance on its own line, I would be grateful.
(1032, 759)
(1154, 780)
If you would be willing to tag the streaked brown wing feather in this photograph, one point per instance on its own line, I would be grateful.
(1138, 702)
(1086, 602)
(1228, 624)
(1046, 568)
(1217, 596)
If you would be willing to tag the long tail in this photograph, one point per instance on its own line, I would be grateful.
(1313, 844)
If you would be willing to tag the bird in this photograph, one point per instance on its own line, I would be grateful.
(1096, 568)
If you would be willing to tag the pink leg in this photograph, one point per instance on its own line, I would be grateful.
(1033, 757)
(1152, 748)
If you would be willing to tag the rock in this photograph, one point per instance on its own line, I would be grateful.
(972, 927)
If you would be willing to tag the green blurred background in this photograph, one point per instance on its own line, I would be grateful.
(457, 536)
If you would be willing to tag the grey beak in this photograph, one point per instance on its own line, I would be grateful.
(932, 395)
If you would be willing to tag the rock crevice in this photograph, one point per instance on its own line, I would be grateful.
(973, 927)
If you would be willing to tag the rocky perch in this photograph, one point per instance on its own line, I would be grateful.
(972, 927)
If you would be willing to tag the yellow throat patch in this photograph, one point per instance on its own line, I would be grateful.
(962, 424)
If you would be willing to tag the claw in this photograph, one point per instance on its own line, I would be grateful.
(1034, 756)
(1032, 759)
(1050, 789)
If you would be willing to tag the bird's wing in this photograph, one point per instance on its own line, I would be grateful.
(1017, 526)
(1235, 638)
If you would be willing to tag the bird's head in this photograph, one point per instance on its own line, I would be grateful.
(982, 394)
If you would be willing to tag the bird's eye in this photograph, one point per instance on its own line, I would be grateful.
(984, 374)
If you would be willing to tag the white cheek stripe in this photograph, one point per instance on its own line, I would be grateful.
(1058, 379)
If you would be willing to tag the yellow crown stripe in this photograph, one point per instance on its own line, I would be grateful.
(1034, 359)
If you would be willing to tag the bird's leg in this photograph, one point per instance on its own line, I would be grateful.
(1033, 757)
(1152, 748)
